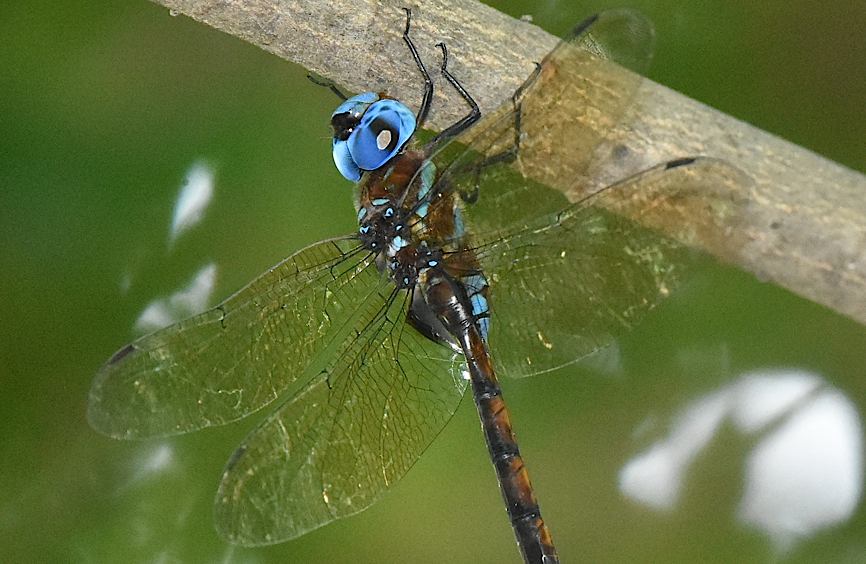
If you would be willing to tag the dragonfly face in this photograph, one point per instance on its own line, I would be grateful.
(348, 333)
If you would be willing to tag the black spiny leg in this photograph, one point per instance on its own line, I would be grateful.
(421, 116)
(509, 155)
(471, 117)
(321, 81)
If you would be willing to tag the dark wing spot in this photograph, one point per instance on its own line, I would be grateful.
(679, 162)
(121, 354)
(236, 455)
(582, 26)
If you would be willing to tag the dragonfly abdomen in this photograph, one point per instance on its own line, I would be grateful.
(452, 302)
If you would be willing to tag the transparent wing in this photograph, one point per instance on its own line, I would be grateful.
(335, 447)
(234, 359)
(570, 282)
(552, 128)
(566, 279)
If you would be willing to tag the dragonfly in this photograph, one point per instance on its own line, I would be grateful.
(464, 260)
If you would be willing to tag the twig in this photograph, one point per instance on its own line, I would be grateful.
(807, 228)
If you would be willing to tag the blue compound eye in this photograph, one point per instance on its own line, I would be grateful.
(379, 134)
(345, 164)
(384, 129)
(356, 104)
(345, 120)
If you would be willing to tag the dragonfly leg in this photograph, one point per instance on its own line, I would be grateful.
(517, 102)
(508, 155)
(321, 81)
(471, 117)
(421, 116)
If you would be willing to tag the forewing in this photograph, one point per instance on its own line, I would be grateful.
(335, 447)
(571, 282)
(234, 359)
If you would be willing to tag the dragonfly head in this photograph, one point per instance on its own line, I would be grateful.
(369, 130)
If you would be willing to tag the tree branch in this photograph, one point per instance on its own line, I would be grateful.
(807, 229)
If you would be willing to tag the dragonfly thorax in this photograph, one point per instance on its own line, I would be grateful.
(409, 262)
(383, 231)
(379, 224)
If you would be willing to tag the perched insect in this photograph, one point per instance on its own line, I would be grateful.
(365, 344)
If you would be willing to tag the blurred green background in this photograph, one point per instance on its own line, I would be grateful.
(104, 107)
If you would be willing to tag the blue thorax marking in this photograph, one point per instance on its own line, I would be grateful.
(459, 227)
(428, 175)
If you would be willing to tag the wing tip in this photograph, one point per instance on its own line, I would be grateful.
(122, 353)
(580, 28)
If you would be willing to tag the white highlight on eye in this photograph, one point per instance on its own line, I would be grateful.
(192, 200)
(186, 301)
(383, 139)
